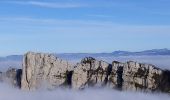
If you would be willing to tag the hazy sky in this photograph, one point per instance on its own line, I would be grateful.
(83, 25)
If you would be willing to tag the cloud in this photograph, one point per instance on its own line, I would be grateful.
(4, 65)
(162, 62)
(50, 4)
(22, 32)
(81, 26)
(9, 93)
(71, 4)
(100, 16)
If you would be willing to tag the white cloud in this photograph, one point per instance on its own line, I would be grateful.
(8, 93)
(50, 4)
(71, 4)
(82, 26)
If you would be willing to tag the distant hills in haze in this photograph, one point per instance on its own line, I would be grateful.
(152, 52)
(146, 52)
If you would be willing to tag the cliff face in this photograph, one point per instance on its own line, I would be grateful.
(90, 73)
(44, 69)
(135, 76)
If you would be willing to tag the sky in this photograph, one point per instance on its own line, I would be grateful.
(74, 26)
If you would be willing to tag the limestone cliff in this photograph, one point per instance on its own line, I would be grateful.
(43, 69)
(46, 70)
(135, 76)
(90, 72)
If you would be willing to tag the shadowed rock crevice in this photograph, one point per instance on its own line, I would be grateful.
(119, 77)
(109, 70)
(165, 81)
(18, 77)
(68, 81)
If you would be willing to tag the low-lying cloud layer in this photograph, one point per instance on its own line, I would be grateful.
(4, 65)
(162, 62)
(159, 61)
(9, 93)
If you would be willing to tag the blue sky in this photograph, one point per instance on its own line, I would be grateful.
(64, 26)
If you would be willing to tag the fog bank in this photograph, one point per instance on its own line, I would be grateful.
(9, 93)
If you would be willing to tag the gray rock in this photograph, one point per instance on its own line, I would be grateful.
(45, 70)
(90, 73)
(12, 76)
(137, 76)
(41, 70)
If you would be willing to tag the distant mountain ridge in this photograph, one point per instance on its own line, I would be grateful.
(146, 52)
(152, 52)
(12, 58)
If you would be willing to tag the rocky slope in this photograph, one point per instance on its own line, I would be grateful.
(46, 71)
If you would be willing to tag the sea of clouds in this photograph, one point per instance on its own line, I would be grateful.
(162, 62)
(159, 61)
(10, 93)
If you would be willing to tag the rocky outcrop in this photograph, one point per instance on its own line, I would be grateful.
(90, 73)
(122, 76)
(47, 70)
(135, 76)
(43, 69)
(12, 76)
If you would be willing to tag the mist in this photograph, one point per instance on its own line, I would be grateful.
(4, 65)
(9, 93)
(162, 62)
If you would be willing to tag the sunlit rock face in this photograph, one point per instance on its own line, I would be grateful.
(90, 73)
(43, 69)
(135, 76)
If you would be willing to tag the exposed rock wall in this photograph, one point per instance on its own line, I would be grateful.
(90, 73)
(135, 76)
(44, 69)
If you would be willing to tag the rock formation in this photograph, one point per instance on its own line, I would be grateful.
(43, 69)
(12, 76)
(90, 72)
(135, 76)
(47, 70)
